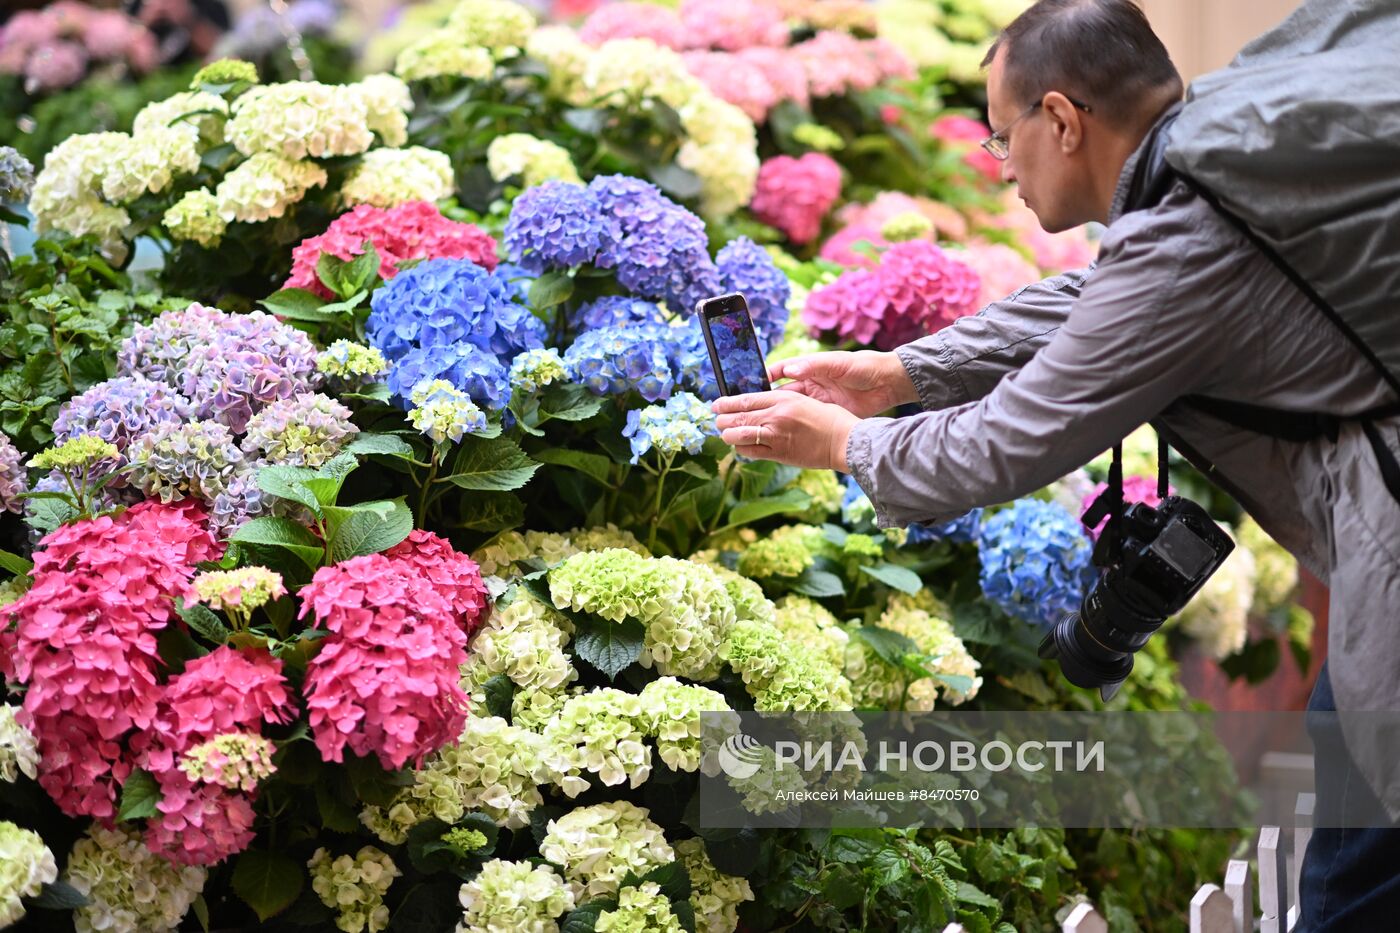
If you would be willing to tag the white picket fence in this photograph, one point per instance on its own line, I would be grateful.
(1231, 909)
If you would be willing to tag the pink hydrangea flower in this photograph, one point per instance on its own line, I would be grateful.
(1002, 269)
(966, 134)
(733, 79)
(926, 290)
(451, 573)
(916, 289)
(386, 681)
(781, 69)
(415, 230)
(198, 824)
(840, 247)
(1135, 489)
(795, 194)
(731, 24)
(629, 20)
(54, 66)
(838, 63)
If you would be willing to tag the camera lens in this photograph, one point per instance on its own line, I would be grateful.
(1095, 646)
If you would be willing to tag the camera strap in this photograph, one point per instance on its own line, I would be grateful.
(1110, 503)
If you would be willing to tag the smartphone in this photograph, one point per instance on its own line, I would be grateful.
(734, 350)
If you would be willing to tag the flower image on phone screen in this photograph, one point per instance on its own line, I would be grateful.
(740, 359)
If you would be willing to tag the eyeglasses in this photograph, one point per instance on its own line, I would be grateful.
(997, 144)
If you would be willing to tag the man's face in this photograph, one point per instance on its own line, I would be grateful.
(1045, 175)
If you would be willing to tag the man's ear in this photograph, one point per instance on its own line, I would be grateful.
(1065, 121)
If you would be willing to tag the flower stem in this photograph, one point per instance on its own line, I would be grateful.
(656, 507)
(426, 487)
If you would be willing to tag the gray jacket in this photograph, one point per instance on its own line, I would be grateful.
(1178, 304)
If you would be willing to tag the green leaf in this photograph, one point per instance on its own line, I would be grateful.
(596, 466)
(584, 918)
(140, 794)
(268, 882)
(895, 576)
(550, 289)
(500, 692)
(15, 564)
(673, 879)
(678, 182)
(283, 533)
(201, 912)
(368, 528)
(426, 850)
(792, 500)
(609, 646)
(835, 534)
(492, 511)
(487, 465)
(958, 683)
(288, 482)
(819, 583)
(360, 272)
(889, 645)
(203, 620)
(295, 304)
(389, 445)
(59, 895)
(336, 815)
(569, 402)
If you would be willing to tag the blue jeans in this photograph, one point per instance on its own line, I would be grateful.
(1350, 879)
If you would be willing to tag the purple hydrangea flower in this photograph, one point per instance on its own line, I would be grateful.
(557, 225)
(240, 501)
(12, 476)
(613, 310)
(1036, 561)
(175, 461)
(119, 411)
(746, 267)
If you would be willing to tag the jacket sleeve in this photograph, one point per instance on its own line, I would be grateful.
(1139, 336)
(965, 361)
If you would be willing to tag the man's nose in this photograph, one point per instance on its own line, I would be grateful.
(1008, 172)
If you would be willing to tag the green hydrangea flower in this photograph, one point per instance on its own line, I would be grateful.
(354, 886)
(683, 605)
(19, 750)
(246, 588)
(826, 493)
(858, 546)
(714, 895)
(127, 885)
(641, 909)
(600, 733)
(238, 761)
(464, 841)
(225, 71)
(910, 225)
(818, 137)
(804, 621)
(499, 556)
(598, 845)
(77, 455)
(879, 685)
(671, 714)
(515, 896)
(787, 552)
(196, 217)
(352, 363)
(762, 791)
(524, 641)
(749, 601)
(782, 675)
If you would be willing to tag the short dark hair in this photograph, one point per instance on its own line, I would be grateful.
(1102, 52)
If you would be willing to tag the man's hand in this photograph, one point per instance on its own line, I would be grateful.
(865, 382)
(787, 427)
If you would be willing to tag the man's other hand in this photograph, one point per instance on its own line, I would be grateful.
(864, 382)
(787, 427)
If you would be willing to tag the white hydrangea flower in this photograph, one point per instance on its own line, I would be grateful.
(238, 761)
(204, 115)
(390, 177)
(1218, 615)
(67, 191)
(599, 732)
(640, 909)
(442, 54)
(355, 887)
(714, 895)
(501, 26)
(1276, 577)
(767, 790)
(535, 160)
(300, 119)
(524, 641)
(493, 767)
(26, 865)
(127, 886)
(671, 714)
(564, 54)
(196, 217)
(19, 750)
(388, 103)
(514, 897)
(264, 187)
(597, 846)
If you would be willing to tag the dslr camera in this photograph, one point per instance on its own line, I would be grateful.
(1164, 556)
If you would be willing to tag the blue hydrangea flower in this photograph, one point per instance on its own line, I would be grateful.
(517, 330)
(746, 267)
(517, 280)
(468, 367)
(1036, 561)
(962, 530)
(856, 506)
(557, 225)
(613, 310)
(682, 423)
(612, 360)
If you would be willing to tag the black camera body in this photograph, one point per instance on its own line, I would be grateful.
(1164, 556)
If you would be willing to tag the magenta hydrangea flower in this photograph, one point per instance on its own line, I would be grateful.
(12, 477)
(731, 24)
(966, 134)
(386, 680)
(782, 69)
(926, 290)
(450, 572)
(629, 20)
(840, 247)
(852, 307)
(795, 194)
(1135, 489)
(199, 824)
(738, 81)
(413, 230)
(838, 63)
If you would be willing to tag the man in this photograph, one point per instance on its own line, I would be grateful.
(1181, 311)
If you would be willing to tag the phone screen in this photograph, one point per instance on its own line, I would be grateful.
(734, 350)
